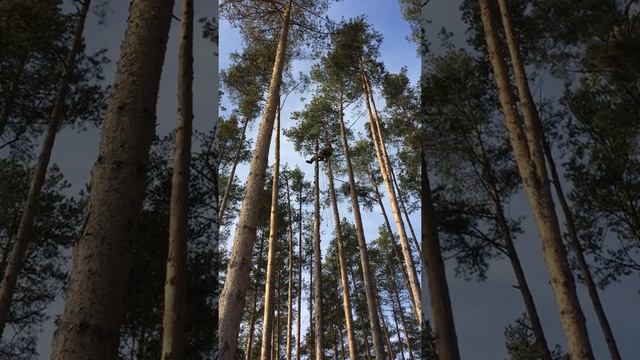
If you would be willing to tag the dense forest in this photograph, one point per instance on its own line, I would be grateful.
(319, 179)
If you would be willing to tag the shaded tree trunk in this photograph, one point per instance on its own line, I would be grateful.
(175, 287)
(385, 170)
(397, 304)
(234, 166)
(270, 288)
(103, 254)
(342, 265)
(531, 166)
(232, 298)
(446, 338)
(24, 234)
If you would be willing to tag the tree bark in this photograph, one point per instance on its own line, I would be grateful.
(362, 245)
(299, 317)
(103, 253)
(236, 160)
(252, 321)
(317, 262)
(346, 297)
(398, 304)
(175, 287)
(534, 125)
(531, 166)
(269, 289)
(25, 227)
(290, 277)
(488, 180)
(232, 298)
(385, 170)
(446, 338)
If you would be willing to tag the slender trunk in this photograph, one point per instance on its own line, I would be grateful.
(252, 322)
(447, 341)
(7, 107)
(25, 228)
(317, 269)
(276, 337)
(104, 252)
(414, 238)
(335, 343)
(532, 119)
(236, 160)
(385, 170)
(175, 287)
(269, 289)
(397, 304)
(299, 317)
(365, 339)
(346, 298)
(290, 278)
(532, 170)
(582, 261)
(392, 242)
(232, 298)
(488, 179)
(343, 351)
(397, 327)
(362, 245)
(387, 339)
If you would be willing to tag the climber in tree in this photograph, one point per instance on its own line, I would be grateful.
(322, 155)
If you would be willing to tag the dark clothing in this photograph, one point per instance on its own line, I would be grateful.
(322, 155)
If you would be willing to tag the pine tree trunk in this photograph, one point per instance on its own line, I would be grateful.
(385, 170)
(385, 330)
(270, 289)
(175, 287)
(447, 341)
(346, 297)
(25, 228)
(252, 322)
(299, 317)
(317, 269)
(532, 170)
(392, 242)
(582, 261)
(276, 337)
(10, 99)
(362, 245)
(232, 298)
(397, 327)
(397, 304)
(290, 277)
(534, 125)
(490, 185)
(103, 254)
(236, 160)
(414, 238)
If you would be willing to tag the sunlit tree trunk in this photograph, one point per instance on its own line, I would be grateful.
(232, 298)
(252, 321)
(316, 264)
(346, 298)
(531, 165)
(270, 286)
(299, 318)
(290, 277)
(103, 254)
(385, 170)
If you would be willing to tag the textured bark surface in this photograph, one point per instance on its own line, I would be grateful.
(102, 256)
(342, 266)
(489, 182)
(316, 311)
(290, 274)
(367, 277)
(445, 331)
(175, 286)
(385, 170)
(532, 171)
(299, 317)
(269, 287)
(24, 234)
(232, 297)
